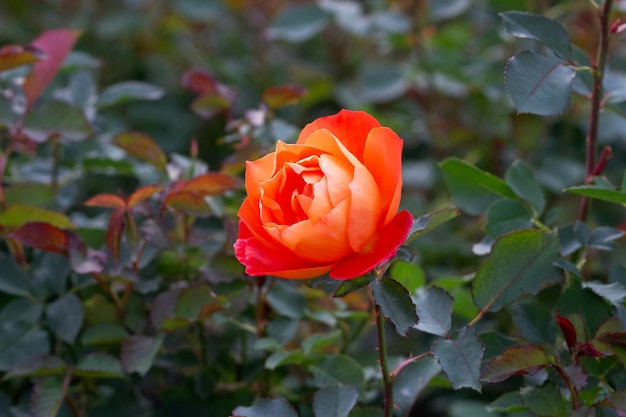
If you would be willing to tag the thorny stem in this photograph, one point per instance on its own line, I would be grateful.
(407, 362)
(384, 366)
(596, 100)
(570, 387)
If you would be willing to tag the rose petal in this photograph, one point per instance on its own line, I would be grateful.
(261, 259)
(257, 172)
(322, 241)
(383, 159)
(350, 127)
(381, 248)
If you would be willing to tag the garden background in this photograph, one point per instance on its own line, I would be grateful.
(122, 169)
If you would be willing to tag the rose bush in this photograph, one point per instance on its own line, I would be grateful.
(328, 203)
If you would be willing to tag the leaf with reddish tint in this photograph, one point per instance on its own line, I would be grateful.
(283, 95)
(516, 360)
(12, 56)
(142, 194)
(106, 200)
(200, 82)
(142, 147)
(188, 201)
(42, 236)
(56, 45)
(212, 183)
(114, 232)
(569, 332)
(209, 105)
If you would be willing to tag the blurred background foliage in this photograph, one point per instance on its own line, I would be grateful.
(233, 76)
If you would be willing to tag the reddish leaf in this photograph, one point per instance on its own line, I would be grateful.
(142, 147)
(283, 95)
(209, 105)
(12, 56)
(587, 349)
(516, 360)
(106, 200)
(115, 231)
(42, 236)
(142, 194)
(212, 183)
(56, 44)
(187, 201)
(569, 332)
(200, 82)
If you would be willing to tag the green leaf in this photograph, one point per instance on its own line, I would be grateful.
(337, 370)
(287, 300)
(126, 91)
(509, 402)
(521, 178)
(473, 189)
(192, 300)
(56, 118)
(534, 322)
(283, 357)
(19, 214)
(412, 380)
(505, 216)
(21, 309)
(460, 358)
(43, 365)
(65, 316)
(395, 303)
(543, 401)
(583, 302)
(602, 238)
(21, 342)
(103, 334)
(267, 408)
(379, 83)
(614, 292)
(434, 309)
(540, 28)
(520, 263)
(47, 397)
(618, 399)
(516, 360)
(349, 286)
(317, 342)
(592, 191)
(538, 84)
(298, 23)
(429, 221)
(98, 365)
(139, 351)
(367, 412)
(411, 276)
(13, 280)
(334, 401)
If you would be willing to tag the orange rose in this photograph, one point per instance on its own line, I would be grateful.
(329, 203)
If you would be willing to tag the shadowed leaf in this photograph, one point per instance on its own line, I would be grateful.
(126, 91)
(21, 342)
(43, 365)
(65, 316)
(460, 358)
(99, 365)
(138, 352)
(47, 397)
(395, 303)
(334, 401)
(434, 309)
(266, 408)
(412, 380)
(429, 221)
(537, 27)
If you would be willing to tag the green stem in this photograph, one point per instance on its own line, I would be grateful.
(384, 366)
(596, 100)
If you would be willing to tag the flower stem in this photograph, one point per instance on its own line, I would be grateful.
(596, 100)
(384, 366)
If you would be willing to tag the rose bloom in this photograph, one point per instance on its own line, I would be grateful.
(328, 203)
